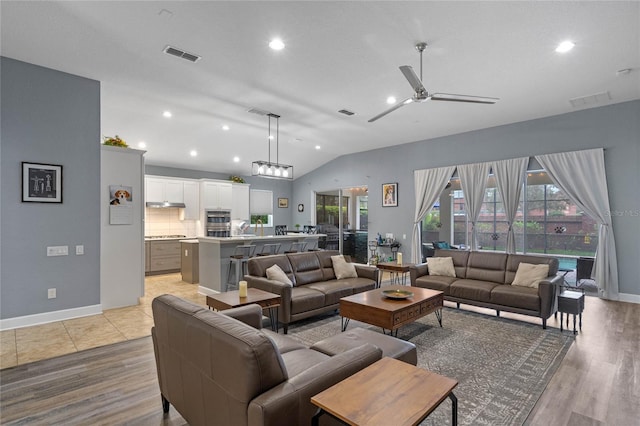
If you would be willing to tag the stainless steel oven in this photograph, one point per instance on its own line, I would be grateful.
(218, 223)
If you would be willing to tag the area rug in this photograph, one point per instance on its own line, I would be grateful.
(502, 365)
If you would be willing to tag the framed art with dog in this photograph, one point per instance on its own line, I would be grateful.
(41, 183)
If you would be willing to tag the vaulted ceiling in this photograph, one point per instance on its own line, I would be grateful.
(337, 55)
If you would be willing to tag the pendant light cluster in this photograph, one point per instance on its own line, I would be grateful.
(267, 168)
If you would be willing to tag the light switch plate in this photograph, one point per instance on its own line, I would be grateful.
(79, 250)
(58, 251)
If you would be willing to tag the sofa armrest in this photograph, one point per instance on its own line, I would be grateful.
(366, 271)
(289, 403)
(417, 271)
(548, 293)
(275, 287)
(249, 314)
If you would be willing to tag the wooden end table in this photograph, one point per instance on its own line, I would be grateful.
(372, 307)
(388, 392)
(396, 269)
(232, 299)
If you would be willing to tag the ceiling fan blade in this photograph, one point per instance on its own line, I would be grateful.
(413, 79)
(462, 98)
(393, 108)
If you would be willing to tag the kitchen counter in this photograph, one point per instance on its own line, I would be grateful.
(214, 254)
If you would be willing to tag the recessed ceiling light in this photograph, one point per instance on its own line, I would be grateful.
(167, 114)
(225, 127)
(193, 153)
(565, 46)
(236, 159)
(391, 100)
(276, 44)
(142, 144)
(317, 146)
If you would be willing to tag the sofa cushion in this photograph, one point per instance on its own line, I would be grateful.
(529, 275)
(301, 360)
(275, 273)
(442, 266)
(518, 297)
(486, 266)
(305, 299)
(283, 342)
(342, 268)
(333, 290)
(306, 267)
(326, 264)
(459, 257)
(257, 266)
(515, 259)
(435, 282)
(472, 289)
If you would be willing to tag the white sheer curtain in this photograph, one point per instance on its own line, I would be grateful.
(473, 179)
(581, 175)
(428, 186)
(509, 175)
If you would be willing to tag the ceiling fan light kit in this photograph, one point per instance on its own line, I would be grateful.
(269, 169)
(421, 94)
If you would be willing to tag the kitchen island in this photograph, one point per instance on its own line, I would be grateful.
(215, 253)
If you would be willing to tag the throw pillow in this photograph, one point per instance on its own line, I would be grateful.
(277, 274)
(442, 245)
(442, 266)
(342, 268)
(530, 275)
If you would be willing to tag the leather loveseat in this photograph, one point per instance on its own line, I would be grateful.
(315, 287)
(484, 279)
(221, 368)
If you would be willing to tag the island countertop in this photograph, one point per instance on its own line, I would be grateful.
(257, 238)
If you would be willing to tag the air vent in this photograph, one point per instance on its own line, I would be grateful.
(258, 111)
(590, 100)
(346, 112)
(181, 54)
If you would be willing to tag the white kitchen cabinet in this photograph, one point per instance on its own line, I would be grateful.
(240, 201)
(215, 195)
(161, 190)
(191, 201)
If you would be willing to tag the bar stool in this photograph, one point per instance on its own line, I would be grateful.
(281, 230)
(312, 244)
(296, 247)
(238, 261)
(269, 249)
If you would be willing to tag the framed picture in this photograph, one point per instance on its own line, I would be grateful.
(283, 203)
(390, 194)
(41, 183)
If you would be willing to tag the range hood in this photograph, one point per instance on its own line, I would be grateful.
(164, 205)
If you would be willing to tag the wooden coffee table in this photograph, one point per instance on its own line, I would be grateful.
(374, 308)
(232, 299)
(388, 392)
(396, 269)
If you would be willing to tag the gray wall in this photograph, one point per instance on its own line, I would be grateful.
(54, 118)
(613, 127)
(280, 189)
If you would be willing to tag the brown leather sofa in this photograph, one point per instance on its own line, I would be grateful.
(223, 369)
(315, 287)
(484, 279)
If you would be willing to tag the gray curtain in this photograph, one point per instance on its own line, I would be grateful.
(473, 179)
(428, 185)
(509, 175)
(581, 175)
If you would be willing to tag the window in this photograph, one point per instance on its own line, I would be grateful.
(261, 207)
(267, 219)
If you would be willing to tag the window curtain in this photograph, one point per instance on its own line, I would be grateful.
(509, 175)
(581, 175)
(428, 186)
(473, 179)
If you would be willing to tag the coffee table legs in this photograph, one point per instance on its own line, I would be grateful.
(454, 409)
(273, 317)
(439, 316)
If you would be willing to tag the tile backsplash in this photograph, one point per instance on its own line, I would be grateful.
(167, 222)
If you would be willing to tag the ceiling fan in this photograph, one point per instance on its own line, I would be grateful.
(421, 94)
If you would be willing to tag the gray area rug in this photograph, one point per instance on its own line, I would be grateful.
(502, 365)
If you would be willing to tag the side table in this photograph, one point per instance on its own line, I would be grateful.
(396, 269)
(571, 303)
(232, 299)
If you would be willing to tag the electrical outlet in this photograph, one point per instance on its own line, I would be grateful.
(51, 293)
(79, 250)
(58, 251)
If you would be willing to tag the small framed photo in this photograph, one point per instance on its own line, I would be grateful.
(390, 194)
(283, 203)
(41, 183)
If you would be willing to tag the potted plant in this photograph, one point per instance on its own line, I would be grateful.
(115, 141)
(297, 225)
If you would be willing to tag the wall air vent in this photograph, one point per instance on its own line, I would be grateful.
(590, 100)
(181, 54)
(346, 112)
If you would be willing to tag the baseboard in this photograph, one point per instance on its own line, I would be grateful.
(628, 297)
(47, 317)
(207, 291)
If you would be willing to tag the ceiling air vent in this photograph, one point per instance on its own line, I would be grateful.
(346, 112)
(590, 100)
(181, 54)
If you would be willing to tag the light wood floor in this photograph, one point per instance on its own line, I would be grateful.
(598, 382)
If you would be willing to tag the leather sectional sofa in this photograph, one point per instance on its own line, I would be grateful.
(221, 368)
(484, 279)
(315, 288)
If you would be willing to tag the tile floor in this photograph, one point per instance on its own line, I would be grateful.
(28, 344)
